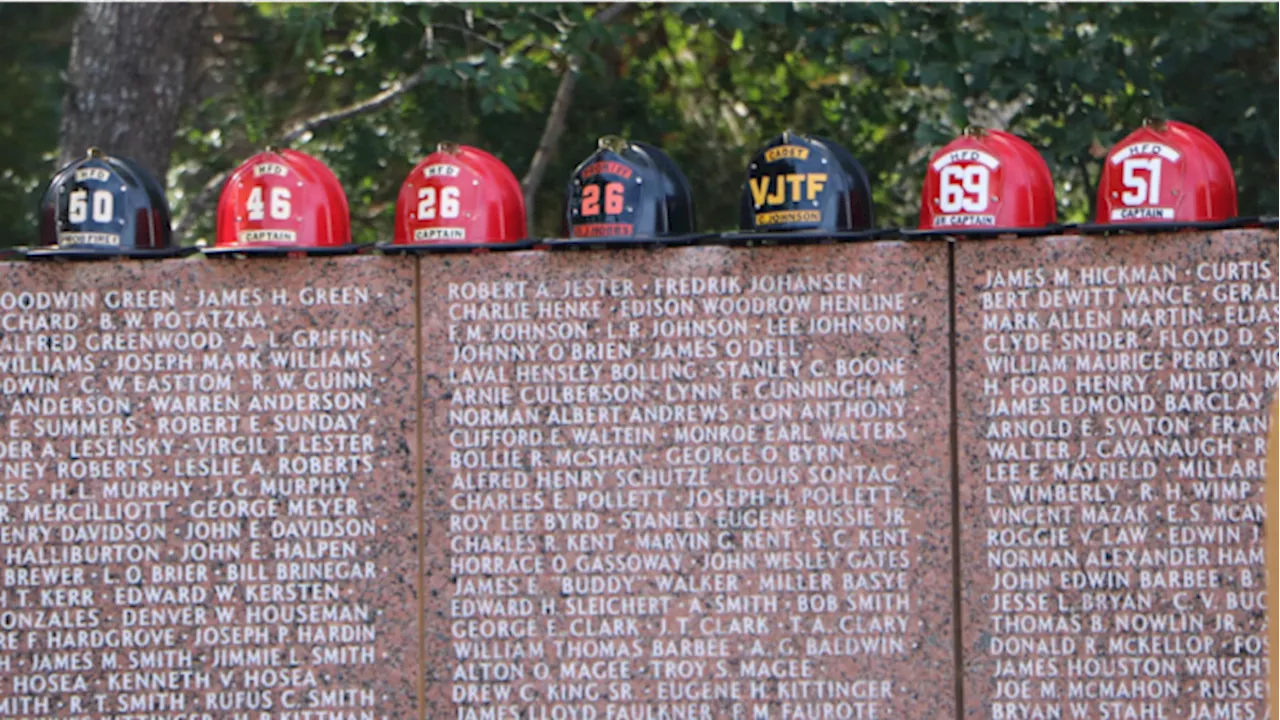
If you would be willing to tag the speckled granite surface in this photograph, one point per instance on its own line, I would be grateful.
(920, 673)
(1134, 591)
(242, 345)
(408, 682)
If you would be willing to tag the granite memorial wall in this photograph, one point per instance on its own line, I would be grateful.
(208, 497)
(1013, 478)
(692, 483)
(1112, 425)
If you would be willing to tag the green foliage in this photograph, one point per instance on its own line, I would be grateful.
(708, 82)
(34, 44)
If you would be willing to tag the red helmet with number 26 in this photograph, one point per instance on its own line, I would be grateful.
(460, 195)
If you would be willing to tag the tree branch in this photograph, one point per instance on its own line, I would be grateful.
(205, 198)
(465, 32)
(202, 202)
(547, 144)
(556, 118)
(369, 104)
(611, 13)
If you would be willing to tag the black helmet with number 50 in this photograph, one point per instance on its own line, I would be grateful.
(628, 189)
(100, 205)
(798, 183)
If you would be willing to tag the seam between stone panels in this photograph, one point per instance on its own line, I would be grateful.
(957, 607)
(419, 474)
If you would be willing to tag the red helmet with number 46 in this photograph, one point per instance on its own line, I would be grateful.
(1166, 171)
(987, 180)
(460, 195)
(283, 200)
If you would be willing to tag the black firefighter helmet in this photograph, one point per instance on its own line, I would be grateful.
(629, 189)
(104, 205)
(798, 183)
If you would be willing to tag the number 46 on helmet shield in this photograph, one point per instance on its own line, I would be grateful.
(282, 202)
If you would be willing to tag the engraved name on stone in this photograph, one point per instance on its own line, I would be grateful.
(182, 529)
(1119, 402)
(680, 495)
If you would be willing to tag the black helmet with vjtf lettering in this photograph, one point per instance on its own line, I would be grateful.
(104, 205)
(629, 189)
(798, 183)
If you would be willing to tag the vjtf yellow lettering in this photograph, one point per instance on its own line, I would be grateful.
(788, 187)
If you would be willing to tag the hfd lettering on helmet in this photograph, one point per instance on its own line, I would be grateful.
(775, 190)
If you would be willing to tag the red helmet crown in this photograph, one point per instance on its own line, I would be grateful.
(283, 199)
(987, 179)
(460, 194)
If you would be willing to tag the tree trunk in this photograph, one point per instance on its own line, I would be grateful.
(131, 67)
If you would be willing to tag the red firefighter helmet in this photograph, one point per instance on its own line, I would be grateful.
(987, 181)
(283, 201)
(460, 195)
(337, 195)
(1166, 172)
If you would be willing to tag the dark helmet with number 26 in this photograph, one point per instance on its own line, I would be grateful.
(629, 189)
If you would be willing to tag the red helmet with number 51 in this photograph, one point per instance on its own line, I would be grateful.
(987, 180)
(1166, 171)
(282, 200)
(460, 195)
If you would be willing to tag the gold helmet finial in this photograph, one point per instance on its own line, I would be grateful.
(615, 143)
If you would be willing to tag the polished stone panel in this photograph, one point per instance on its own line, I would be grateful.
(712, 481)
(208, 496)
(1112, 417)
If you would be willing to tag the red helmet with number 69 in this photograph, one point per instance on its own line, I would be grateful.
(987, 180)
(282, 200)
(1166, 171)
(460, 195)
